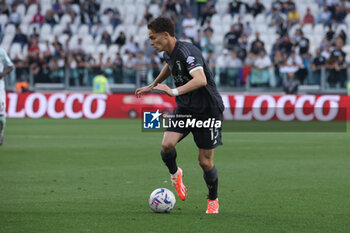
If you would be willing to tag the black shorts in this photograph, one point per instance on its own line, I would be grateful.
(204, 137)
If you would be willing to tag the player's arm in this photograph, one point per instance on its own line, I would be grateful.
(164, 74)
(198, 80)
(6, 71)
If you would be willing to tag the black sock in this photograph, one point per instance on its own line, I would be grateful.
(170, 160)
(211, 178)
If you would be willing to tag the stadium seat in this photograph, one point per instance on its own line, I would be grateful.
(32, 9)
(227, 19)
(101, 48)
(21, 9)
(154, 10)
(10, 29)
(90, 49)
(87, 39)
(319, 30)
(215, 19)
(62, 38)
(45, 29)
(76, 8)
(26, 19)
(3, 20)
(15, 49)
(57, 29)
(65, 19)
(83, 30)
(24, 28)
(113, 49)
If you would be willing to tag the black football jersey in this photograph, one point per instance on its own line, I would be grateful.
(184, 59)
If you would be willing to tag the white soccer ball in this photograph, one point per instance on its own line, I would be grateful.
(162, 200)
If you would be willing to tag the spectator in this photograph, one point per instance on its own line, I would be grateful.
(142, 64)
(293, 17)
(291, 85)
(108, 68)
(20, 38)
(208, 11)
(222, 64)
(330, 34)
(50, 18)
(15, 17)
(120, 41)
(231, 38)
(343, 36)
(286, 45)
(197, 39)
(256, 8)
(234, 65)
(100, 84)
(257, 45)
(304, 45)
(47, 51)
(324, 16)
(118, 64)
(189, 25)
(68, 29)
(78, 47)
(247, 30)
(57, 8)
(22, 86)
(206, 44)
(147, 16)
(155, 65)
(106, 38)
(35, 34)
(211, 62)
(38, 17)
(278, 62)
(129, 69)
(33, 51)
(234, 7)
(296, 61)
(260, 70)
(98, 30)
(131, 45)
(81, 65)
(317, 64)
(338, 15)
(308, 17)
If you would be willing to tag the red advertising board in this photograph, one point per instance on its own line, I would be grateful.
(238, 107)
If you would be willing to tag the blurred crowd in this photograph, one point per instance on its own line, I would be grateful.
(287, 63)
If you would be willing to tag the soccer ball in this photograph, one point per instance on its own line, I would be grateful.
(162, 200)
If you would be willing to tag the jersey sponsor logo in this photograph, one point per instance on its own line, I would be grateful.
(151, 120)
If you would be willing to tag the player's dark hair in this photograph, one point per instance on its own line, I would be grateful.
(162, 24)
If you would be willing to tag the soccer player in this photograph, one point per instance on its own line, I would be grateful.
(6, 67)
(196, 95)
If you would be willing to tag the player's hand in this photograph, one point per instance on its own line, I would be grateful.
(164, 88)
(140, 91)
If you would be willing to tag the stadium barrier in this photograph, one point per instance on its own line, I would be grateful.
(238, 107)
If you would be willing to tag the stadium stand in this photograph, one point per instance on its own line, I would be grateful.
(304, 40)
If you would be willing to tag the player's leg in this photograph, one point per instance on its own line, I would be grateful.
(168, 151)
(2, 128)
(169, 155)
(2, 116)
(210, 175)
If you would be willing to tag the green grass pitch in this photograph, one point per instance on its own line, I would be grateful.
(96, 176)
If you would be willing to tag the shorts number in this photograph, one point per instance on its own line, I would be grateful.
(214, 133)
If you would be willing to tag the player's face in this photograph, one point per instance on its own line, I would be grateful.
(158, 40)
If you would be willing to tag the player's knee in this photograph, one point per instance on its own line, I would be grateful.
(167, 146)
(206, 164)
(2, 123)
